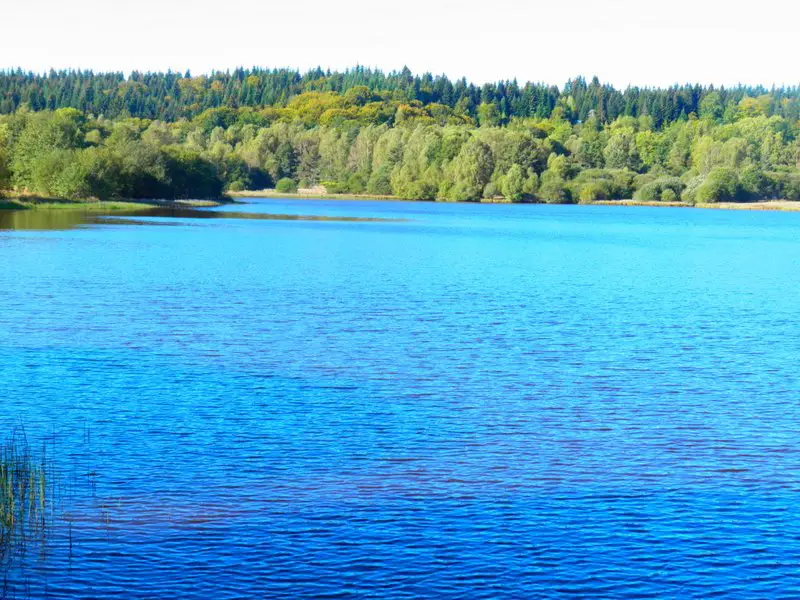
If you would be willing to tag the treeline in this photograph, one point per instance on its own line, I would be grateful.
(423, 152)
(172, 96)
(65, 154)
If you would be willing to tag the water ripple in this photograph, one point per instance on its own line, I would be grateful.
(479, 402)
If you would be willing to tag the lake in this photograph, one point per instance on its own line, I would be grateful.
(406, 400)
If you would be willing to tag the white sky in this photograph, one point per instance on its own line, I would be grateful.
(622, 41)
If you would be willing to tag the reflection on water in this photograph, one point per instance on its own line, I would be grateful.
(41, 219)
(68, 219)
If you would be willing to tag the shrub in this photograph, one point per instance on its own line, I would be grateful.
(590, 192)
(602, 184)
(721, 184)
(553, 189)
(689, 193)
(755, 184)
(490, 191)
(286, 186)
(356, 183)
(785, 185)
(642, 179)
(663, 188)
(649, 192)
(333, 187)
(790, 190)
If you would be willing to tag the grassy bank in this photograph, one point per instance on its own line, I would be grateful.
(82, 206)
(271, 193)
(40, 203)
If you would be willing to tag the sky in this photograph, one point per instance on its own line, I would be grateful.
(623, 42)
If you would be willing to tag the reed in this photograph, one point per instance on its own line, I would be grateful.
(23, 490)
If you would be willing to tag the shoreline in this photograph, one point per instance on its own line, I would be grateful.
(38, 203)
(272, 194)
(769, 205)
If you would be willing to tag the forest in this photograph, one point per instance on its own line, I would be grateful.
(78, 135)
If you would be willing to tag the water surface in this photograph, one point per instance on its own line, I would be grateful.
(409, 400)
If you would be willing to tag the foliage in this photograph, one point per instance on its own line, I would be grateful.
(416, 138)
(602, 184)
(553, 189)
(721, 184)
(287, 186)
(469, 173)
(664, 188)
(372, 97)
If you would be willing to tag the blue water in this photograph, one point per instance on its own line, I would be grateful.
(458, 401)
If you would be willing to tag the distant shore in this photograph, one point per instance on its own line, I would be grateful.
(773, 205)
(271, 193)
(39, 203)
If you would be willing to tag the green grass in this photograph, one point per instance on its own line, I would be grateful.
(92, 206)
(14, 200)
(36, 203)
(23, 490)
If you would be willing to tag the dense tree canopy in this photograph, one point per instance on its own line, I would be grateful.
(78, 134)
(171, 96)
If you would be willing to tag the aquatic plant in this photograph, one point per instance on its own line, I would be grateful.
(23, 490)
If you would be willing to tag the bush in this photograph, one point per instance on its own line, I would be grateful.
(597, 190)
(755, 185)
(642, 179)
(490, 190)
(784, 185)
(286, 186)
(649, 192)
(602, 184)
(721, 185)
(790, 187)
(689, 193)
(553, 189)
(334, 187)
(669, 195)
(663, 188)
(356, 183)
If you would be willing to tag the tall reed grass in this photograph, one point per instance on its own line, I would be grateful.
(23, 490)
